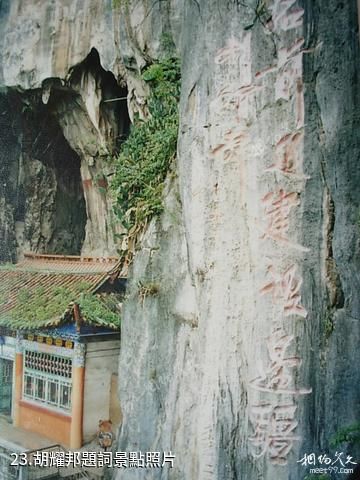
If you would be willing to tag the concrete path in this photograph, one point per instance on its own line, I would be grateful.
(17, 439)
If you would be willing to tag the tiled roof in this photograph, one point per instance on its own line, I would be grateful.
(67, 264)
(38, 291)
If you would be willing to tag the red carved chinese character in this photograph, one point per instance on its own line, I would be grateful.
(285, 289)
(234, 98)
(278, 377)
(231, 146)
(273, 431)
(289, 154)
(277, 209)
(288, 82)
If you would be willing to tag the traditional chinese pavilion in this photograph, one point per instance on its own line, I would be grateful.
(59, 344)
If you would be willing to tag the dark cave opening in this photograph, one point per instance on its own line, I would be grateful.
(51, 148)
(42, 198)
(41, 188)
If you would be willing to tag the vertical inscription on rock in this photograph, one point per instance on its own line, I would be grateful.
(273, 406)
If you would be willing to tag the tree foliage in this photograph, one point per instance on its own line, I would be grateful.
(349, 434)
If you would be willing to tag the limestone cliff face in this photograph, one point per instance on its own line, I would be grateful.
(243, 360)
(50, 61)
(42, 40)
(41, 193)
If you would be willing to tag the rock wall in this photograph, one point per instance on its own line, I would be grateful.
(244, 358)
(240, 332)
(61, 60)
(43, 209)
(42, 40)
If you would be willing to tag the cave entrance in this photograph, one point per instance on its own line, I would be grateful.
(92, 111)
(54, 212)
(54, 167)
(41, 188)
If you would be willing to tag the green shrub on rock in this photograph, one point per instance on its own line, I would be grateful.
(146, 156)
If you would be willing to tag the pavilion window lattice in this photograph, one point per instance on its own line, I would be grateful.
(46, 363)
(47, 380)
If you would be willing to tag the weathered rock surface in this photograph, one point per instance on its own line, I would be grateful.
(52, 50)
(244, 360)
(41, 189)
(244, 357)
(42, 40)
